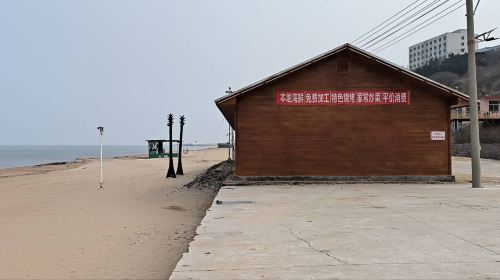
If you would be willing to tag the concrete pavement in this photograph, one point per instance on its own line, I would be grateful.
(490, 169)
(372, 231)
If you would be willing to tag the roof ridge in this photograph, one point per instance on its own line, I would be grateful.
(329, 53)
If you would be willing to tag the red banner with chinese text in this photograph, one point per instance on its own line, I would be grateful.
(342, 97)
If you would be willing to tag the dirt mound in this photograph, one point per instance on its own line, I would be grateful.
(213, 178)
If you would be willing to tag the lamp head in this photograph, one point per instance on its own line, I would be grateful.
(170, 119)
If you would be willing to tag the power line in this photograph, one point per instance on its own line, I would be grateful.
(377, 33)
(401, 28)
(477, 5)
(422, 23)
(400, 39)
(213, 138)
(379, 50)
(398, 22)
(362, 36)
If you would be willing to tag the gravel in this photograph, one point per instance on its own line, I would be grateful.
(214, 177)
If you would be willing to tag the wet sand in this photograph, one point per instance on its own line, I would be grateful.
(58, 224)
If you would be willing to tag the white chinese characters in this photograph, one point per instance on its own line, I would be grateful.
(354, 97)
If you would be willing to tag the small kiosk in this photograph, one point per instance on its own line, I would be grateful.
(156, 149)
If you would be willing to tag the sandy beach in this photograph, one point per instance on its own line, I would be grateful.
(58, 224)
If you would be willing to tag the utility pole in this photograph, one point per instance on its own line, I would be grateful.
(229, 91)
(474, 120)
(101, 132)
(232, 142)
(229, 142)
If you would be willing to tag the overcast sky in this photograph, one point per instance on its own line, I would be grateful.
(68, 66)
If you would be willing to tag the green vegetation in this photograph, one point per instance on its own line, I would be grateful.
(489, 134)
(453, 72)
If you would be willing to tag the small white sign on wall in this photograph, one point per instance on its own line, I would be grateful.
(438, 135)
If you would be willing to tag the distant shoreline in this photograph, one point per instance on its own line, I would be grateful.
(13, 156)
(9, 172)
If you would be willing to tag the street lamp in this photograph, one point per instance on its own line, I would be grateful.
(101, 132)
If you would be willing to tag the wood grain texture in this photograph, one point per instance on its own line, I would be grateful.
(273, 140)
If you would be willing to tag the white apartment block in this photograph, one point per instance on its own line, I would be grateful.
(439, 47)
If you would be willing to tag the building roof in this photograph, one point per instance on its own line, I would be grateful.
(440, 87)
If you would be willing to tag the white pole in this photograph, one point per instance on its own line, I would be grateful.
(101, 130)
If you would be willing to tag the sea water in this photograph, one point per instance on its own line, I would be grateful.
(17, 156)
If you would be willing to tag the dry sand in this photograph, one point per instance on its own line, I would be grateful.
(60, 225)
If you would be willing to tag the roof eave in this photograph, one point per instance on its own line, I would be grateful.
(281, 74)
(330, 53)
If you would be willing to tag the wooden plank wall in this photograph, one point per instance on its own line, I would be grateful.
(277, 140)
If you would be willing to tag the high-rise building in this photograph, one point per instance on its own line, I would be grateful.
(439, 47)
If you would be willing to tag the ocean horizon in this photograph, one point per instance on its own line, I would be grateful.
(30, 155)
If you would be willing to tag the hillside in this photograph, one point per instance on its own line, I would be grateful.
(453, 72)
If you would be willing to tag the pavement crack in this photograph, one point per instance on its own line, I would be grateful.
(308, 243)
(449, 233)
(442, 230)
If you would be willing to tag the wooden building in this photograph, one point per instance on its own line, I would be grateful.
(343, 113)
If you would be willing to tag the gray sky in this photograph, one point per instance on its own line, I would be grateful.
(68, 66)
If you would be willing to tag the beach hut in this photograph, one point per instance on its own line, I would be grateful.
(345, 113)
(158, 148)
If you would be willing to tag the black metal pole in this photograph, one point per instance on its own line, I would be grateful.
(171, 171)
(179, 159)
